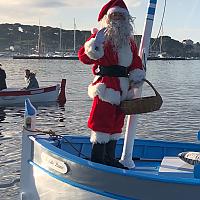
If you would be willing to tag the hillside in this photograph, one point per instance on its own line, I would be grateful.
(23, 39)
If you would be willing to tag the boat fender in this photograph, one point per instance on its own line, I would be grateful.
(29, 115)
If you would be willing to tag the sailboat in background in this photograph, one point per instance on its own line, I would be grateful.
(58, 166)
(72, 55)
(40, 50)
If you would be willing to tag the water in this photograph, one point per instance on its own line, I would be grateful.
(178, 119)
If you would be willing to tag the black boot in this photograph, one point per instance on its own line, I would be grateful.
(98, 153)
(110, 155)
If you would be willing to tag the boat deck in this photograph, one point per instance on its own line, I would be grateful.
(169, 167)
(147, 167)
(149, 159)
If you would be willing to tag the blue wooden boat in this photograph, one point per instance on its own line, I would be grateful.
(59, 167)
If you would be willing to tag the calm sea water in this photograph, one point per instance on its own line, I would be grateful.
(177, 81)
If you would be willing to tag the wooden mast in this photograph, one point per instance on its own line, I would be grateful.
(126, 158)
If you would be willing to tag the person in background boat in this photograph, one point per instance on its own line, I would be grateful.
(2, 78)
(117, 69)
(30, 80)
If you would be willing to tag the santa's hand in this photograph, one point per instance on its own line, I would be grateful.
(134, 84)
(137, 76)
(100, 37)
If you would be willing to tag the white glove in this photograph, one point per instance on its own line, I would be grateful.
(137, 76)
(100, 37)
(136, 84)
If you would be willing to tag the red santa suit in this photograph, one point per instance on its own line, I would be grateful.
(106, 120)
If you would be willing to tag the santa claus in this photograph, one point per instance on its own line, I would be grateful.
(116, 66)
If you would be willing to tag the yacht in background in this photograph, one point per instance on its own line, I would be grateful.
(72, 55)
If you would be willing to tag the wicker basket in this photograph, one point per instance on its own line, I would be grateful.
(143, 104)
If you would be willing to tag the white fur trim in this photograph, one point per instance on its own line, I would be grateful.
(117, 9)
(115, 136)
(130, 94)
(137, 75)
(124, 85)
(94, 90)
(111, 96)
(125, 56)
(96, 78)
(99, 137)
(105, 94)
(91, 51)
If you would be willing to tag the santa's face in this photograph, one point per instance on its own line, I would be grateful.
(116, 16)
(119, 29)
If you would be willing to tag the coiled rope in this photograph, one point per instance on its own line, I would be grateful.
(55, 136)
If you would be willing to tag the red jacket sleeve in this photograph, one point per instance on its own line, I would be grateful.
(82, 56)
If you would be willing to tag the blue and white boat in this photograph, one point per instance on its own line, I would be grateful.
(58, 166)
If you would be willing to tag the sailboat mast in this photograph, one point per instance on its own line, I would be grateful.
(161, 39)
(126, 157)
(39, 40)
(74, 36)
(60, 41)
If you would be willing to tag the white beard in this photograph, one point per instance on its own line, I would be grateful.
(119, 33)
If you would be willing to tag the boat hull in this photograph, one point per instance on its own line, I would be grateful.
(10, 97)
(73, 175)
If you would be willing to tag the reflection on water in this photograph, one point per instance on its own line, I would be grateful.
(50, 116)
(2, 114)
(178, 119)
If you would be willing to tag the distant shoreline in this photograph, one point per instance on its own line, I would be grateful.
(76, 58)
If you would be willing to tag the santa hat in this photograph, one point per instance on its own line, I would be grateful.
(113, 6)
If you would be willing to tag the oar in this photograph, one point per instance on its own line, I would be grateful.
(126, 158)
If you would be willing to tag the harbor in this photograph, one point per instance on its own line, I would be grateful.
(177, 120)
(136, 124)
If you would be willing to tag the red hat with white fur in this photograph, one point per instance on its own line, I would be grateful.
(113, 6)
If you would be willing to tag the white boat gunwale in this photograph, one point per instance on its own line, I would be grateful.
(153, 177)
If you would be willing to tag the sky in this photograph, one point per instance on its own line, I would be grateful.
(181, 21)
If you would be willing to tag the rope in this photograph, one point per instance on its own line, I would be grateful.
(53, 134)
(161, 25)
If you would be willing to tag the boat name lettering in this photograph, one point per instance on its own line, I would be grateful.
(53, 163)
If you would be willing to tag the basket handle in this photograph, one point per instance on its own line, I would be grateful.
(154, 89)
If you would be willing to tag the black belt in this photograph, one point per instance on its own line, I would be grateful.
(112, 71)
